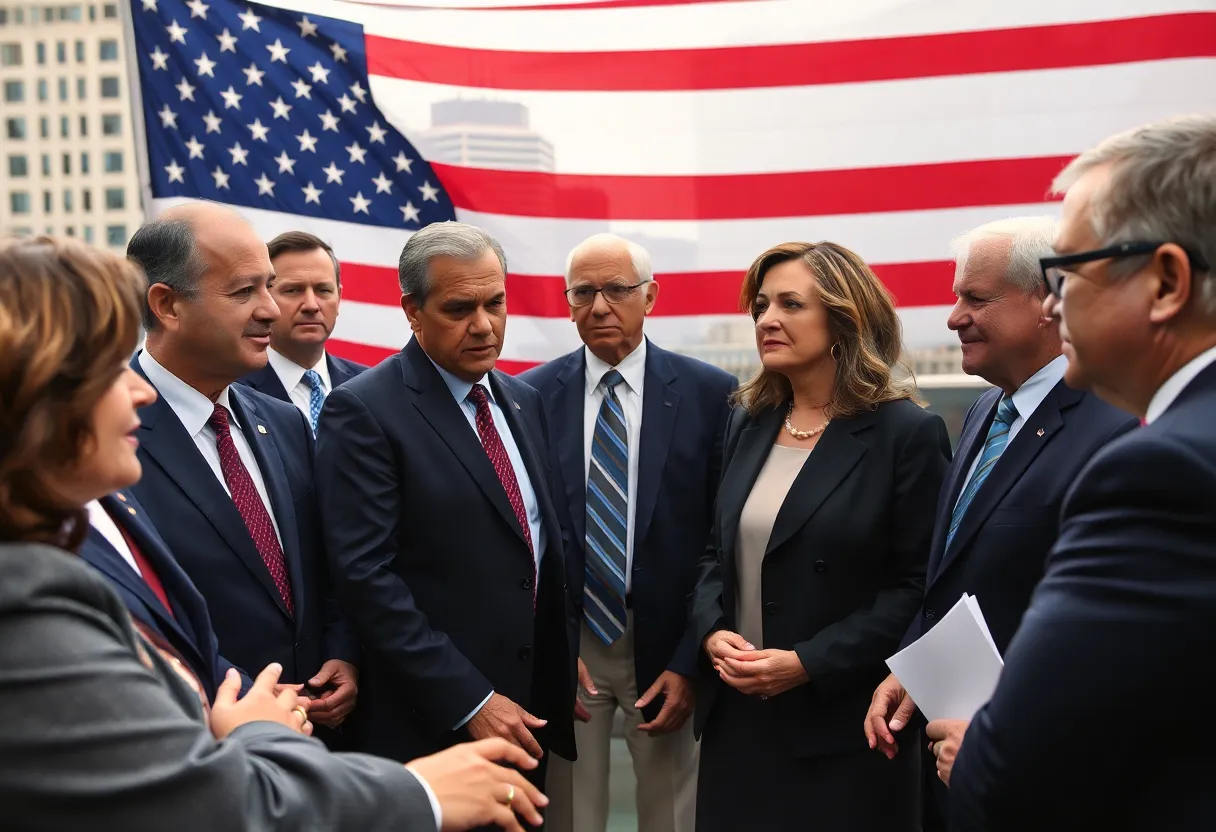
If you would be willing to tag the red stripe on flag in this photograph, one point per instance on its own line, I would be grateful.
(1163, 37)
(371, 356)
(751, 195)
(701, 293)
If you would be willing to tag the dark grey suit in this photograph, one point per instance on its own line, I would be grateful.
(93, 736)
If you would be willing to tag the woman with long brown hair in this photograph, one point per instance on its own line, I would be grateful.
(101, 726)
(822, 530)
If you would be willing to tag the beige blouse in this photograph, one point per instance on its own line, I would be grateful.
(755, 528)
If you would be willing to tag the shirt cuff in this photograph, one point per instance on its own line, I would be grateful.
(473, 712)
(430, 795)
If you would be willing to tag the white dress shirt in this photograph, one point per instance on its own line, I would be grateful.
(291, 375)
(101, 520)
(1175, 384)
(194, 410)
(1026, 399)
(633, 370)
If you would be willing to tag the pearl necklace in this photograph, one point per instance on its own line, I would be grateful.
(802, 434)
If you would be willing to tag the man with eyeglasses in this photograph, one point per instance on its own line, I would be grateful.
(637, 433)
(1099, 718)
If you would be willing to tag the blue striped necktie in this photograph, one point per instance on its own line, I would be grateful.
(607, 517)
(994, 445)
(316, 398)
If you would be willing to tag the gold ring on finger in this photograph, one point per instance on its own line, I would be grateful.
(510, 795)
(299, 709)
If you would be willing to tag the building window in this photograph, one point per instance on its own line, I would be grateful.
(86, 197)
(111, 125)
(80, 85)
(79, 51)
(10, 54)
(19, 202)
(19, 17)
(63, 89)
(108, 50)
(84, 126)
(113, 161)
(47, 204)
(70, 231)
(116, 235)
(64, 127)
(88, 229)
(3, 16)
(92, 14)
(67, 164)
(44, 127)
(18, 166)
(109, 87)
(116, 199)
(110, 11)
(61, 52)
(15, 128)
(67, 201)
(71, 13)
(14, 92)
(84, 163)
(42, 89)
(40, 52)
(46, 164)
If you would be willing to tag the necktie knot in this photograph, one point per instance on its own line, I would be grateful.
(478, 396)
(611, 379)
(219, 421)
(1006, 411)
(313, 379)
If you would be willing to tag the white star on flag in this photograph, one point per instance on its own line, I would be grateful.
(357, 153)
(360, 204)
(311, 194)
(232, 98)
(186, 89)
(307, 142)
(348, 104)
(176, 33)
(277, 51)
(195, 147)
(249, 20)
(239, 154)
(176, 172)
(281, 108)
(168, 118)
(339, 52)
(377, 132)
(360, 93)
(303, 90)
(329, 121)
(253, 75)
(286, 163)
(227, 42)
(258, 130)
(403, 162)
(409, 212)
(160, 60)
(383, 184)
(221, 178)
(320, 75)
(198, 9)
(307, 27)
(149, 5)
(333, 174)
(205, 65)
(429, 191)
(265, 185)
(213, 121)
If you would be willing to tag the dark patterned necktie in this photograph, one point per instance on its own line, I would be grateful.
(607, 518)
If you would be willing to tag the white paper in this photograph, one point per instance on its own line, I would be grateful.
(952, 670)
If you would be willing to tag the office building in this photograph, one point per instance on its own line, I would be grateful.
(484, 134)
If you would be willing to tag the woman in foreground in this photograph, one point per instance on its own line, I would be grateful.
(102, 725)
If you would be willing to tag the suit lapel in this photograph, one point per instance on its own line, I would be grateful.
(270, 464)
(660, 404)
(569, 439)
(1033, 436)
(338, 374)
(834, 456)
(740, 475)
(267, 381)
(532, 463)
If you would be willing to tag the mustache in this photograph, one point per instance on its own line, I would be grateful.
(256, 332)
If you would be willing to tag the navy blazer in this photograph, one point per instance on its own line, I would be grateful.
(267, 381)
(187, 628)
(432, 565)
(207, 535)
(1096, 723)
(685, 405)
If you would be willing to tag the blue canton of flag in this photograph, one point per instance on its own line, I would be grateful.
(256, 106)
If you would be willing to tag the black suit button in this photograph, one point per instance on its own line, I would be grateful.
(930, 614)
(527, 583)
(525, 653)
(820, 566)
(771, 608)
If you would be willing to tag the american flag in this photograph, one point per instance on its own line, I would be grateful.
(707, 131)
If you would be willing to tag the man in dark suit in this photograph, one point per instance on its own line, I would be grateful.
(1022, 444)
(632, 587)
(227, 475)
(124, 547)
(1093, 724)
(308, 290)
(442, 535)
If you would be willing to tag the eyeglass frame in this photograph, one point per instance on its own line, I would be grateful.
(600, 290)
(1130, 249)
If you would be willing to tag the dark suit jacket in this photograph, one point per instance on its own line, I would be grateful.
(431, 563)
(94, 731)
(188, 627)
(844, 571)
(1097, 722)
(684, 412)
(266, 380)
(207, 536)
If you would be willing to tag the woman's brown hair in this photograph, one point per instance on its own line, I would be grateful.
(867, 339)
(69, 320)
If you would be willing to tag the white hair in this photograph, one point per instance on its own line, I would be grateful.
(639, 256)
(1030, 239)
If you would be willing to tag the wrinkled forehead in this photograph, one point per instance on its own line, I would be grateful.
(601, 265)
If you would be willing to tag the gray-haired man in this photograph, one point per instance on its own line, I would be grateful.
(436, 507)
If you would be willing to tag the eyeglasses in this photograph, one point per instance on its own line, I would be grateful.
(613, 293)
(1054, 271)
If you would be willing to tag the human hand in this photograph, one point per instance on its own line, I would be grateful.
(500, 717)
(261, 703)
(473, 789)
(947, 736)
(586, 683)
(678, 702)
(332, 708)
(763, 673)
(890, 710)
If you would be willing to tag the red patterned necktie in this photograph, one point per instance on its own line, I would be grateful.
(497, 452)
(249, 503)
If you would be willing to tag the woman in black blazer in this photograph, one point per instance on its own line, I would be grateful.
(816, 568)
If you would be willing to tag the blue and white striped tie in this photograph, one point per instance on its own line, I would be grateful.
(315, 399)
(994, 445)
(607, 517)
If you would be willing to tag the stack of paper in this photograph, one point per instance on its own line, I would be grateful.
(952, 670)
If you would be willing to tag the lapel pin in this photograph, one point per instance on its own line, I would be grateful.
(262, 430)
(666, 404)
(130, 509)
(121, 497)
(516, 405)
(1041, 432)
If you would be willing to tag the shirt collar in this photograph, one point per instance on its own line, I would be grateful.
(632, 368)
(1175, 384)
(459, 387)
(291, 373)
(192, 408)
(1030, 395)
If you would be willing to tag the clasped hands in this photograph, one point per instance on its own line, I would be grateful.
(753, 672)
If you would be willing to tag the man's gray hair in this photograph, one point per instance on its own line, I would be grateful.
(639, 256)
(1030, 239)
(441, 239)
(1162, 188)
(166, 251)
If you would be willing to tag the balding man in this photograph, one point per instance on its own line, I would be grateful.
(637, 434)
(1022, 444)
(228, 471)
(1098, 720)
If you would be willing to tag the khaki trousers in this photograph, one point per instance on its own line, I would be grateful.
(665, 766)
